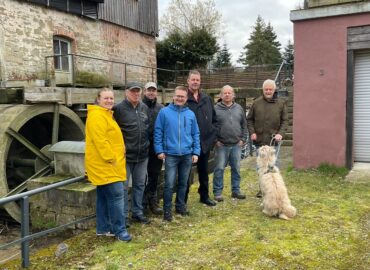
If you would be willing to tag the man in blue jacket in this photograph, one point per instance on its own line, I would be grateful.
(177, 143)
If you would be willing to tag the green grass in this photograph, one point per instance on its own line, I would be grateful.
(331, 231)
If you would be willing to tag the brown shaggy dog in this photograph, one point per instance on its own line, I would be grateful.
(275, 200)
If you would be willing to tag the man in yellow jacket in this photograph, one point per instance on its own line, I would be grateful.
(105, 166)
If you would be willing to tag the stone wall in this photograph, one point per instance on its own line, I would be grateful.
(26, 38)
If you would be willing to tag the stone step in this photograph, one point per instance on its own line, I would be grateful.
(288, 136)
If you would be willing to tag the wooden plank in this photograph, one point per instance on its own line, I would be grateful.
(65, 95)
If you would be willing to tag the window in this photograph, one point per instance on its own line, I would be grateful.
(62, 48)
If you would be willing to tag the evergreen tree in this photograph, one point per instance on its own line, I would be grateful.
(263, 47)
(223, 58)
(288, 54)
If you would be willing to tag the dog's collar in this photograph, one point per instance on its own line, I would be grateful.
(270, 169)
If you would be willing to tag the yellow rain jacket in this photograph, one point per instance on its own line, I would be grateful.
(105, 160)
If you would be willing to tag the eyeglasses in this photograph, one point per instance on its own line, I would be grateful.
(176, 96)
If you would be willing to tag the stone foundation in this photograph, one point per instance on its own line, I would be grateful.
(62, 205)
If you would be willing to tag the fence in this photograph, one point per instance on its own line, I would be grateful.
(26, 237)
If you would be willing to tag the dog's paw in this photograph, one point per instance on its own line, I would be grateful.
(283, 216)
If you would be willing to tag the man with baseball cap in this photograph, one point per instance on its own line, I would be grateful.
(154, 164)
(132, 117)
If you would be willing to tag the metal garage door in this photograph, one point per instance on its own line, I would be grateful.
(361, 117)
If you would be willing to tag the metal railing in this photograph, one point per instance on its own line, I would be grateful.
(26, 237)
(77, 67)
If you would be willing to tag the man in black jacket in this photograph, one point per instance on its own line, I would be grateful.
(154, 163)
(202, 106)
(132, 117)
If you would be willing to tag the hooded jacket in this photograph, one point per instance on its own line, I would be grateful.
(267, 117)
(231, 123)
(176, 132)
(134, 124)
(105, 149)
(206, 119)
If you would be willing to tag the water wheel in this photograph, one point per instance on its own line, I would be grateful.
(26, 132)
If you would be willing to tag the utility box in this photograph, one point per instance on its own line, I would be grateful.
(69, 158)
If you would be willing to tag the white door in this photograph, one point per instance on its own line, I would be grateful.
(361, 107)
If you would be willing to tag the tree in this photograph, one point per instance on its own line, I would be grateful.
(263, 47)
(223, 58)
(185, 16)
(193, 49)
(288, 54)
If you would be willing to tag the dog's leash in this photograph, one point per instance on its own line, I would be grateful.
(279, 143)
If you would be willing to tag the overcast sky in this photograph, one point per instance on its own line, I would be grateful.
(239, 17)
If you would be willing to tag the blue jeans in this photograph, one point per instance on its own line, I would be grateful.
(137, 170)
(180, 165)
(223, 156)
(109, 208)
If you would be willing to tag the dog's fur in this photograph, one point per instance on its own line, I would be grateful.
(275, 200)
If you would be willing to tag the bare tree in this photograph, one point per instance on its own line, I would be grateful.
(184, 16)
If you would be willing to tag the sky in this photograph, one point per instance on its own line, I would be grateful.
(239, 17)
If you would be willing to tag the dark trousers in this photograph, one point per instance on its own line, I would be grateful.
(202, 169)
(154, 170)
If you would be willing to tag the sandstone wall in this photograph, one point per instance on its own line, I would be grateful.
(26, 38)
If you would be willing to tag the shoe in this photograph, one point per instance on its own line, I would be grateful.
(259, 194)
(208, 202)
(155, 209)
(124, 237)
(238, 195)
(140, 219)
(127, 222)
(183, 212)
(167, 216)
(105, 234)
(219, 198)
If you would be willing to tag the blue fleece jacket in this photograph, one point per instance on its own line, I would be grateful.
(176, 132)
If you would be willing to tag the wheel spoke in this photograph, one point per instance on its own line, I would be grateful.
(54, 136)
(44, 171)
(30, 146)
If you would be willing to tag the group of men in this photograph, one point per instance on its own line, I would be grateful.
(183, 134)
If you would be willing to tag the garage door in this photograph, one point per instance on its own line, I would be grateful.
(361, 107)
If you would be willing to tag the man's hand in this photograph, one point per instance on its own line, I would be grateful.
(278, 137)
(254, 137)
(161, 156)
(218, 143)
(194, 158)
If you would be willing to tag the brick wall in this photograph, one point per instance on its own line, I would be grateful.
(26, 38)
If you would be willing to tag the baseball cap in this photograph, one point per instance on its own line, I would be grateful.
(150, 84)
(133, 85)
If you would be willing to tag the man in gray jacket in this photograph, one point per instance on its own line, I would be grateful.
(231, 135)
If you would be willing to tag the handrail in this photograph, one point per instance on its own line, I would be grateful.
(25, 219)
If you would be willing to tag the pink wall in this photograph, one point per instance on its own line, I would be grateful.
(320, 88)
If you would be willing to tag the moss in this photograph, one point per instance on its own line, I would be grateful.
(91, 79)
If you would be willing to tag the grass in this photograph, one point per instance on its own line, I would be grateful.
(331, 231)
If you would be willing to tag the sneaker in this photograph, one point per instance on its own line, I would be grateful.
(183, 212)
(140, 219)
(124, 237)
(105, 234)
(219, 198)
(238, 195)
(167, 216)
